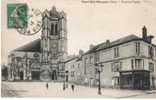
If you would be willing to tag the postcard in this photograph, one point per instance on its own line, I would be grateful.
(78, 48)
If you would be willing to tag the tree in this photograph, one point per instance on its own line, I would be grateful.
(4, 72)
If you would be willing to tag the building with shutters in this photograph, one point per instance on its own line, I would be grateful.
(129, 62)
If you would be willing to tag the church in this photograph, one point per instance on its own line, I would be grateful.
(44, 58)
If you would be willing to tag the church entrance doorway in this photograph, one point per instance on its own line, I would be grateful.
(35, 75)
(21, 75)
(54, 75)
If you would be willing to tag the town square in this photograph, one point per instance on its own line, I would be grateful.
(49, 61)
(38, 89)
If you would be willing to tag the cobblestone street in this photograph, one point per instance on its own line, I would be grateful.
(7, 92)
(38, 89)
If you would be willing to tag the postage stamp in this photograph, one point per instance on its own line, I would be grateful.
(17, 15)
(34, 22)
(27, 21)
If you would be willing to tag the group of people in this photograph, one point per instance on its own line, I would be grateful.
(64, 86)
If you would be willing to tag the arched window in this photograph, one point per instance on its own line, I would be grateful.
(52, 29)
(55, 29)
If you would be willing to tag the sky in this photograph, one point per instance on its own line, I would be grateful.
(87, 23)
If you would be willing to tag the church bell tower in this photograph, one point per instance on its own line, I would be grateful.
(53, 43)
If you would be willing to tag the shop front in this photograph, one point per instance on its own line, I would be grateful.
(136, 79)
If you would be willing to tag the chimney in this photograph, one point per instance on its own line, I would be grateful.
(144, 32)
(144, 35)
(107, 43)
(91, 46)
(149, 38)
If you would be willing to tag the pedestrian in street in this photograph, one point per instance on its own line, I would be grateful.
(72, 86)
(64, 86)
(47, 85)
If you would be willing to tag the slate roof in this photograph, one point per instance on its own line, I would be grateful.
(114, 43)
(33, 46)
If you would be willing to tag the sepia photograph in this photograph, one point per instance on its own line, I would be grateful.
(78, 49)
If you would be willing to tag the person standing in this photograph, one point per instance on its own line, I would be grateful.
(72, 86)
(64, 86)
(47, 85)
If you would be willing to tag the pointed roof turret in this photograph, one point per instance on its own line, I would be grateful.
(53, 8)
(54, 12)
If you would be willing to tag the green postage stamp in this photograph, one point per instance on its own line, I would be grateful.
(17, 15)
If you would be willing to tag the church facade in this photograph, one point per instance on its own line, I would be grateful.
(42, 59)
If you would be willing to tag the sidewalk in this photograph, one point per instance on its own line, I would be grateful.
(112, 93)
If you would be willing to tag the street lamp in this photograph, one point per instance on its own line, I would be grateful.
(65, 84)
(66, 76)
(99, 70)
